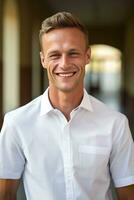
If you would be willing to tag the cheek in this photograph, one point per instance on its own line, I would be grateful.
(82, 61)
(50, 68)
(51, 63)
(82, 65)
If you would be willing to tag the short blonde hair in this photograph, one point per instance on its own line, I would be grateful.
(62, 20)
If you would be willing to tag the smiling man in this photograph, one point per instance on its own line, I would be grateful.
(64, 56)
(65, 144)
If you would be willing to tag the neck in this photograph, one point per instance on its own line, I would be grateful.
(65, 101)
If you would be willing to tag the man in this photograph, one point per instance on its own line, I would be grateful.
(66, 144)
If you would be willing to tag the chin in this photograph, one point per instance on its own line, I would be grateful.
(67, 89)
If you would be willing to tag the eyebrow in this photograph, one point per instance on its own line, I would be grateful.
(73, 50)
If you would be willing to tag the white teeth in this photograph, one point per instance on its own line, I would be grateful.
(66, 75)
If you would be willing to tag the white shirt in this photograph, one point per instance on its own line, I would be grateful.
(61, 160)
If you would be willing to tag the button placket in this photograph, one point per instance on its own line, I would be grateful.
(68, 164)
(66, 149)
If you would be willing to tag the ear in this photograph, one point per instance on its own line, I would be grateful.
(88, 55)
(42, 58)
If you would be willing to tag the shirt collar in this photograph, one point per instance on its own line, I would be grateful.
(86, 102)
(45, 104)
(47, 107)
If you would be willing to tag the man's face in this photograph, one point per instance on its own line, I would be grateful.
(64, 55)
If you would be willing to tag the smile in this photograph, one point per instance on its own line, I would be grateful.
(66, 74)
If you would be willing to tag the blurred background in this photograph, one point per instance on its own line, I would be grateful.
(110, 74)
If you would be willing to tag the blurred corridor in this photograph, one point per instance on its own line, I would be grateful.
(109, 76)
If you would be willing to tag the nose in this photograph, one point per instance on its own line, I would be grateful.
(64, 62)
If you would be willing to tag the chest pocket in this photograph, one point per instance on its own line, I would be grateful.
(93, 160)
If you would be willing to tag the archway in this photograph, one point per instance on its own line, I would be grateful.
(103, 74)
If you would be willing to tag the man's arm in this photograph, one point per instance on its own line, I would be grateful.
(8, 189)
(126, 193)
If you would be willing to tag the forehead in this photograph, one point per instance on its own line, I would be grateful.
(64, 37)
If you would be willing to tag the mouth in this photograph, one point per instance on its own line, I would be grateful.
(69, 74)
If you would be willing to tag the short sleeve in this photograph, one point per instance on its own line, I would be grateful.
(122, 155)
(12, 159)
